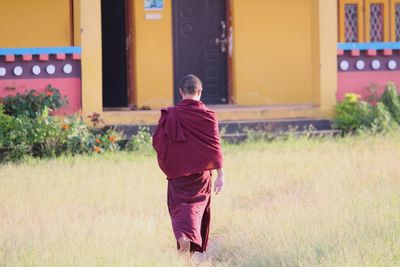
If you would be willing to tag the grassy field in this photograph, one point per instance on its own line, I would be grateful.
(294, 203)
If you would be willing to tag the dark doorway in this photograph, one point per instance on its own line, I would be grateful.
(113, 24)
(200, 46)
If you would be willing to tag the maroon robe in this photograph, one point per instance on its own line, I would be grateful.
(188, 148)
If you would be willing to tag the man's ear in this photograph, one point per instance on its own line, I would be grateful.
(181, 92)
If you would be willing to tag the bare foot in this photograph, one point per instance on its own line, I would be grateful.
(184, 246)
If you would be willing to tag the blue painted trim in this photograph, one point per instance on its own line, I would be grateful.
(41, 50)
(366, 46)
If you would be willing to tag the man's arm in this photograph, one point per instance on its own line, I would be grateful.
(219, 182)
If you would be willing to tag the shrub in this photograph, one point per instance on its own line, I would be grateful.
(391, 100)
(46, 135)
(352, 114)
(107, 141)
(15, 144)
(383, 121)
(6, 125)
(77, 134)
(141, 141)
(32, 103)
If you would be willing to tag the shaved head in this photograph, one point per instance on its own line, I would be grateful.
(190, 83)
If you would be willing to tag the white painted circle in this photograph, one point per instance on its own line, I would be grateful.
(3, 72)
(51, 69)
(36, 70)
(376, 64)
(344, 65)
(67, 68)
(392, 64)
(360, 64)
(18, 71)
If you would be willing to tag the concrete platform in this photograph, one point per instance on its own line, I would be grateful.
(236, 121)
(226, 113)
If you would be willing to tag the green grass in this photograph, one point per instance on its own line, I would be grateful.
(287, 203)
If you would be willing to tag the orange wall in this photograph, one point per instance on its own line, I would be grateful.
(40, 23)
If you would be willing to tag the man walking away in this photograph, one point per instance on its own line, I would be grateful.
(188, 149)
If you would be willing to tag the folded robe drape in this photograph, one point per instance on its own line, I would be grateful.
(187, 140)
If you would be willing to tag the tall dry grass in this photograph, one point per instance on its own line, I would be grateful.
(294, 203)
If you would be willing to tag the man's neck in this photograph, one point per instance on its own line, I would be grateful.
(195, 98)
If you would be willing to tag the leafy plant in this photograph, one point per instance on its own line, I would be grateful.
(391, 100)
(351, 113)
(383, 121)
(6, 125)
(108, 141)
(141, 141)
(32, 103)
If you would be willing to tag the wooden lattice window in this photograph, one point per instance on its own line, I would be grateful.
(377, 20)
(369, 21)
(395, 20)
(351, 21)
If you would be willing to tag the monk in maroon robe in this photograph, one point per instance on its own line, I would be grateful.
(188, 149)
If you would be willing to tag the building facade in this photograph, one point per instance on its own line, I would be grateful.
(258, 59)
(369, 48)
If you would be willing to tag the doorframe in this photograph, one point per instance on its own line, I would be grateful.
(229, 23)
(130, 53)
(229, 57)
(129, 57)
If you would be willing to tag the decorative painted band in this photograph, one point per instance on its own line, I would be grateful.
(368, 46)
(41, 50)
(380, 60)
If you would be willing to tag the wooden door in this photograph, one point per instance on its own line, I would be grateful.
(200, 46)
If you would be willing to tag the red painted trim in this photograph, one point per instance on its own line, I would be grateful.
(27, 57)
(76, 56)
(60, 56)
(355, 53)
(43, 57)
(10, 58)
(340, 52)
(371, 52)
(387, 52)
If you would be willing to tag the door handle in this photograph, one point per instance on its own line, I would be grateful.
(223, 41)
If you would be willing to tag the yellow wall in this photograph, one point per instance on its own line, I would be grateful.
(40, 23)
(153, 57)
(77, 22)
(272, 52)
(90, 39)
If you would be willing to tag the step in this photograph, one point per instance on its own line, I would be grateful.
(242, 128)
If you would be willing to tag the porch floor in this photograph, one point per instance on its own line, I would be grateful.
(226, 113)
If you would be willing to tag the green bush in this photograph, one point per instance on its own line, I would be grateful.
(352, 114)
(32, 103)
(48, 137)
(6, 125)
(141, 141)
(391, 100)
(77, 135)
(106, 141)
(382, 120)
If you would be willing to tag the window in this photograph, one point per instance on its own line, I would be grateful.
(351, 23)
(395, 21)
(369, 21)
(350, 16)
